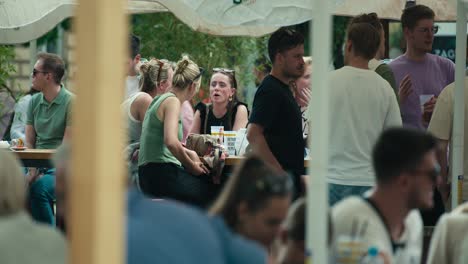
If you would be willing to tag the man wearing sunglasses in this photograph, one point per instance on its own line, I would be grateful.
(406, 171)
(421, 77)
(48, 124)
(275, 129)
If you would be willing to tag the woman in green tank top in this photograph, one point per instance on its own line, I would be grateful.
(166, 168)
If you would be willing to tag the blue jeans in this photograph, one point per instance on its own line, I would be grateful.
(42, 198)
(337, 192)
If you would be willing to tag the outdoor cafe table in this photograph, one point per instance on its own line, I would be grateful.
(42, 158)
(35, 157)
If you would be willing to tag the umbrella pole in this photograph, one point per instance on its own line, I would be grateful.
(459, 108)
(317, 194)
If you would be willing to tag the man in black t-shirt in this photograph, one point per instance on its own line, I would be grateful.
(275, 125)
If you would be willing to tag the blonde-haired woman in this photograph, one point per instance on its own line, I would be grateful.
(166, 169)
(156, 79)
(21, 239)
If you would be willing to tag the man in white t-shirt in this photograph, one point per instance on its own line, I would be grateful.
(132, 81)
(406, 171)
(362, 105)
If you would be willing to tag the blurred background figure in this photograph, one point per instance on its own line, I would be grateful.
(21, 110)
(255, 201)
(21, 239)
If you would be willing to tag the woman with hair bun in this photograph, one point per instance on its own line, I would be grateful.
(156, 79)
(166, 169)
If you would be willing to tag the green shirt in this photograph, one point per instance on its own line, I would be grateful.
(152, 147)
(386, 72)
(49, 120)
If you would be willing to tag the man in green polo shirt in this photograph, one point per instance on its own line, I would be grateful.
(47, 125)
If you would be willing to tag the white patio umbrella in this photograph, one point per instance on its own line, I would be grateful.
(392, 9)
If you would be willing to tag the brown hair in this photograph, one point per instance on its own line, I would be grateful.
(53, 64)
(295, 221)
(251, 182)
(411, 15)
(152, 73)
(370, 18)
(365, 39)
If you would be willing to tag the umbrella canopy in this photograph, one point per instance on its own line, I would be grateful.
(391, 9)
(24, 20)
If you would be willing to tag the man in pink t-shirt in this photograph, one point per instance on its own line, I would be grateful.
(421, 77)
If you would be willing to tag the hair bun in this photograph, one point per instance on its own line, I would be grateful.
(182, 65)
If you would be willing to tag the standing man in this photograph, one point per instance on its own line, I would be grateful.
(427, 74)
(406, 170)
(132, 74)
(275, 129)
(47, 125)
(362, 105)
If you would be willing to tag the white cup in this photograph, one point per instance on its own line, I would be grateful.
(424, 98)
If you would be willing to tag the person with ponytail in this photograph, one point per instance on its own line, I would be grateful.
(224, 109)
(166, 169)
(156, 79)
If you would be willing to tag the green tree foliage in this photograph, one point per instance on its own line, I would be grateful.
(7, 54)
(164, 36)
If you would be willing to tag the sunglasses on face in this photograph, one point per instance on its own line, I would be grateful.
(425, 30)
(432, 173)
(35, 72)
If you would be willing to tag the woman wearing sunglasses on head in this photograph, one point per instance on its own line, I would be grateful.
(166, 169)
(224, 109)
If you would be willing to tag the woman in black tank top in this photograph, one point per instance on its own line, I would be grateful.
(224, 109)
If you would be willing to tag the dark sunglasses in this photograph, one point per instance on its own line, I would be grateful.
(432, 173)
(158, 77)
(35, 72)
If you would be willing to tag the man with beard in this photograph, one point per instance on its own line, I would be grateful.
(428, 75)
(406, 170)
(362, 105)
(275, 129)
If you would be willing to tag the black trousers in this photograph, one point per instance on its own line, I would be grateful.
(168, 180)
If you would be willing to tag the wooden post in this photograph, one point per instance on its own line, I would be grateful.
(96, 219)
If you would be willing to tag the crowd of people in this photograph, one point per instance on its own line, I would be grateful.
(390, 131)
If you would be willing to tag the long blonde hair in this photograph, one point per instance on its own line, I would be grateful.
(12, 184)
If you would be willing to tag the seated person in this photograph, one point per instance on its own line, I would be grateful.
(47, 125)
(448, 237)
(224, 109)
(254, 201)
(166, 169)
(21, 112)
(168, 231)
(292, 237)
(406, 171)
(21, 239)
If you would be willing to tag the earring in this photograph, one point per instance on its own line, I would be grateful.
(230, 98)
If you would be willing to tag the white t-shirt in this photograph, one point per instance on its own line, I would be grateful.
(447, 240)
(19, 121)
(357, 211)
(131, 86)
(362, 105)
(133, 125)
